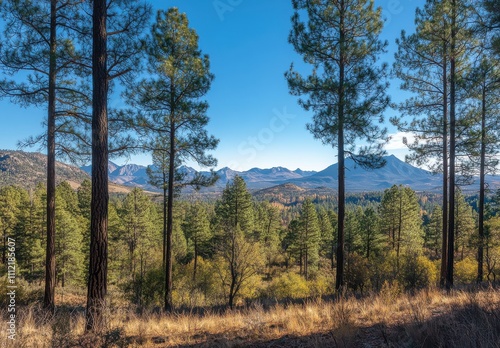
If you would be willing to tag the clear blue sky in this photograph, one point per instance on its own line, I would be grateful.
(258, 123)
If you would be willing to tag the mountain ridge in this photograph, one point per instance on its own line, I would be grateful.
(28, 168)
(395, 172)
(256, 178)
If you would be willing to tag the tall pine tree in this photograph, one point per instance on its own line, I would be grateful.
(401, 221)
(197, 230)
(345, 90)
(485, 136)
(430, 62)
(32, 45)
(114, 42)
(308, 236)
(235, 240)
(69, 236)
(171, 110)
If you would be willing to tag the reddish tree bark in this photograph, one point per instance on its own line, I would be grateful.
(98, 265)
(50, 258)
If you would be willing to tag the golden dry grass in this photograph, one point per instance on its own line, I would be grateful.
(430, 318)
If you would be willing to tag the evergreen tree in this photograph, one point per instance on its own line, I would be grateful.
(422, 62)
(465, 225)
(69, 236)
(267, 226)
(459, 14)
(84, 194)
(44, 57)
(308, 236)
(138, 218)
(20, 229)
(485, 77)
(117, 45)
(69, 198)
(373, 241)
(29, 250)
(179, 240)
(23, 217)
(158, 177)
(234, 223)
(235, 207)
(400, 220)
(426, 62)
(172, 115)
(433, 233)
(69, 266)
(31, 229)
(304, 237)
(98, 261)
(118, 265)
(290, 244)
(197, 231)
(354, 240)
(327, 223)
(345, 92)
(493, 22)
(11, 198)
(140, 236)
(390, 215)
(492, 248)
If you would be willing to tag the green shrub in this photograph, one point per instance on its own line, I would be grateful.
(25, 293)
(147, 290)
(380, 272)
(357, 274)
(417, 272)
(288, 285)
(466, 270)
(323, 284)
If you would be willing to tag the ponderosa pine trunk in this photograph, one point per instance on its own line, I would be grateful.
(98, 263)
(339, 281)
(482, 173)
(451, 207)
(400, 227)
(50, 254)
(170, 210)
(444, 235)
(164, 265)
(195, 266)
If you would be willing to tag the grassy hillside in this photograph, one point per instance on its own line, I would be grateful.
(27, 169)
(430, 318)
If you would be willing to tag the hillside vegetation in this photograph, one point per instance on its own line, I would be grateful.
(238, 249)
(253, 273)
(27, 169)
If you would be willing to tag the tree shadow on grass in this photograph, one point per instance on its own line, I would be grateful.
(468, 326)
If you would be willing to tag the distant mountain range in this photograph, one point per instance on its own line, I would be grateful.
(26, 169)
(359, 179)
(256, 178)
(128, 175)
